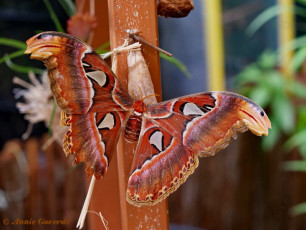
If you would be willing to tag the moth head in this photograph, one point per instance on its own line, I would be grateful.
(255, 118)
(139, 106)
(44, 45)
(41, 46)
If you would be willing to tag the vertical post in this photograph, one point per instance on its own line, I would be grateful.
(286, 34)
(212, 15)
(105, 198)
(137, 15)
(34, 198)
(51, 186)
(109, 195)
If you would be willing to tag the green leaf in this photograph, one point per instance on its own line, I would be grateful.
(274, 80)
(68, 6)
(261, 95)
(298, 59)
(296, 88)
(13, 43)
(12, 55)
(269, 141)
(103, 48)
(177, 63)
(295, 140)
(298, 209)
(284, 112)
(263, 18)
(298, 166)
(244, 90)
(22, 69)
(292, 45)
(270, 13)
(301, 120)
(267, 60)
(251, 74)
(300, 11)
(53, 16)
(302, 149)
(302, 1)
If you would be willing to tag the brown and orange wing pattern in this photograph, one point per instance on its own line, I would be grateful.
(161, 163)
(92, 138)
(80, 79)
(173, 133)
(94, 104)
(176, 132)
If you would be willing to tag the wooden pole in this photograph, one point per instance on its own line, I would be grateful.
(51, 186)
(139, 15)
(105, 198)
(109, 196)
(212, 12)
(34, 199)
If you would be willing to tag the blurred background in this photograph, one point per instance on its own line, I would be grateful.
(253, 47)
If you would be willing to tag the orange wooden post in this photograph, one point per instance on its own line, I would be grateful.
(137, 15)
(109, 195)
(33, 200)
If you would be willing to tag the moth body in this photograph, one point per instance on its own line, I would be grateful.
(133, 125)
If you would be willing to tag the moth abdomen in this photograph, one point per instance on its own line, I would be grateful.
(132, 129)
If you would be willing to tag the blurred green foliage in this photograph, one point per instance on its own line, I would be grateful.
(266, 85)
(283, 97)
(21, 46)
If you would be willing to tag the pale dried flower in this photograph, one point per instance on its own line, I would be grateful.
(38, 104)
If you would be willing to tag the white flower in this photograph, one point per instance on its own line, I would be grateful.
(38, 104)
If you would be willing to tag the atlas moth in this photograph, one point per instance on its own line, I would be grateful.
(170, 135)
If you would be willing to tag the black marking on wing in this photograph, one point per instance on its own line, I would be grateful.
(162, 141)
(207, 108)
(102, 119)
(94, 80)
(86, 67)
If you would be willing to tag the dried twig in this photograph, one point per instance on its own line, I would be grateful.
(136, 37)
(84, 211)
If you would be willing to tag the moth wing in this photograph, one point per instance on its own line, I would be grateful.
(205, 122)
(176, 132)
(92, 138)
(80, 79)
(83, 86)
(161, 163)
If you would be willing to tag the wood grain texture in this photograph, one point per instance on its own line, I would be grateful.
(136, 15)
